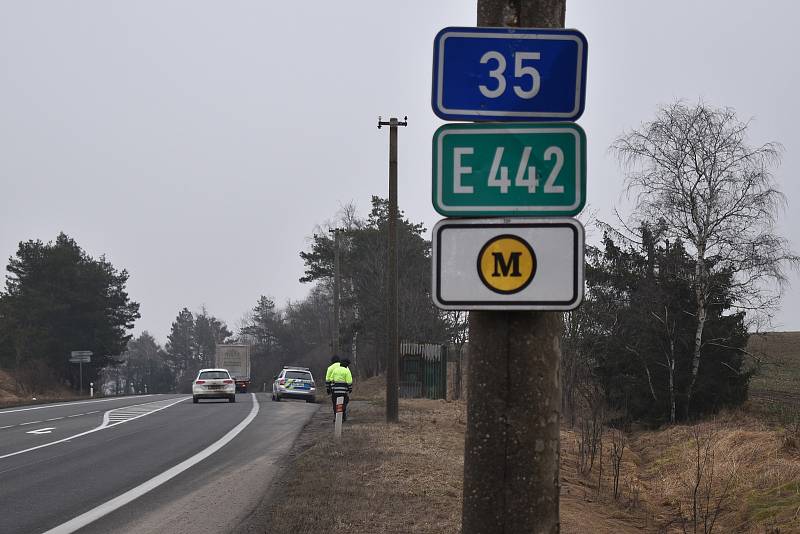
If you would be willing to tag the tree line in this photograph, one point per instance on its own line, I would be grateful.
(58, 299)
(672, 290)
(48, 282)
(302, 332)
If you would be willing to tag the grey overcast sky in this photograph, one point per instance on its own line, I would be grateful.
(197, 143)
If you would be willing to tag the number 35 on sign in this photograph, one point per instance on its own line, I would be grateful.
(509, 169)
(509, 74)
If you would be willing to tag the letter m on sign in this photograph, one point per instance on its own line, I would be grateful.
(503, 267)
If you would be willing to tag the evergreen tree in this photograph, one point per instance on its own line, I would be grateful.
(263, 324)
(192, 344)
(144, 367)
(693, 167)
(641, 329)
(208, 331)
(263, 328)
(182, 348)
(363, 263)
(58, 299)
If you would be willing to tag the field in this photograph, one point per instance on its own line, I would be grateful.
(776, 385)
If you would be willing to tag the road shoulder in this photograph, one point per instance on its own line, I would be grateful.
(316, 431)
(405, 477)
(355, 485)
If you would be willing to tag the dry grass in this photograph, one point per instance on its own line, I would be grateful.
(408, 477)
(587, 500)
(764, 475)
(10, 394)
(379, 478)
(7, 388)
(372, 389)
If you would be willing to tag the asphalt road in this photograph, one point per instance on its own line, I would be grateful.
(155, 463)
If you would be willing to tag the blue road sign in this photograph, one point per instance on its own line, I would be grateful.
(507, 74)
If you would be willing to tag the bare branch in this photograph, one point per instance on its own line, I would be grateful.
(692, 168)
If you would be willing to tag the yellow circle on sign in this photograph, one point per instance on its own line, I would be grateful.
(506, 264)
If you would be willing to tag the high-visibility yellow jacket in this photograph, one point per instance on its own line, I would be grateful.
(329, 372)
(342, 375)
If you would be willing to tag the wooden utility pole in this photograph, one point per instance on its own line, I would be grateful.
(511, 456)
(393, 339)
(336, 289)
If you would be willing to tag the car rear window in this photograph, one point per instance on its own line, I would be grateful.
(210, 375)
(302, 375)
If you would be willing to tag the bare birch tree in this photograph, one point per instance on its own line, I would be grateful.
(693, 167)
(668, 340)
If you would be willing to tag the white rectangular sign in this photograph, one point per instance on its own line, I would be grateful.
(508, 264)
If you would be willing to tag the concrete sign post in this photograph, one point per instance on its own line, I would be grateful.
(534, 71)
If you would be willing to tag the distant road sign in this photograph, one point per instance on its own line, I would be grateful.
(508, 264)
(509, 169)
(80, 356)
(507, 74)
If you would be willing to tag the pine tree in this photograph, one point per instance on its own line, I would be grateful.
(182, 348)
(58, 299)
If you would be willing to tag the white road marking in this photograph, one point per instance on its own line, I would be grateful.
(129, 413)
(117, 502)
(41, 430)
(101, 427)
(84, 413)
(51, 419)
(59, 404)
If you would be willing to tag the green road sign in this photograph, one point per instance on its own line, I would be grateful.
(509, 169)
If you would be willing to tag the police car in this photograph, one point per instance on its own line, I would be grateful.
(294, 383)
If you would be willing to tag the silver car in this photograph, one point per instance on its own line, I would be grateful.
(294, 383)
(213, 384)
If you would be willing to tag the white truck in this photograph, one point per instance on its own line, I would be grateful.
(236, 359)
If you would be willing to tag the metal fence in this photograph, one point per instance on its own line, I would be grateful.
(423, 370)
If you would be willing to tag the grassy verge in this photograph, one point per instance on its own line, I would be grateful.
(378, 478)
(757, 461)
(408, 477)
(403, 478)
(11, 396)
